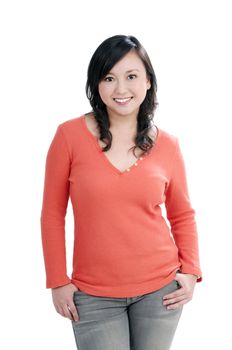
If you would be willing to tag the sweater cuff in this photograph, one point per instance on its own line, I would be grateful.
(60, 283)
(199, 277)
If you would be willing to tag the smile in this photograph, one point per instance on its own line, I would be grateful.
(122, 100)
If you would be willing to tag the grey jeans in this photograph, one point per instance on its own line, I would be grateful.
(136, 323)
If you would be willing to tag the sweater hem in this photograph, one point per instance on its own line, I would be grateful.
(122, 291)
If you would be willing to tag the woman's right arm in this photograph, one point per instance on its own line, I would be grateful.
(54, 206)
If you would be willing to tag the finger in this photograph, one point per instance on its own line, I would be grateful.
(73, 311)
(176, 305)
(67, 312)
(177, 293)
(174, 300)
(64, 311)
(61, 310)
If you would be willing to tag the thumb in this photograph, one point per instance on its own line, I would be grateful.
(73, 311)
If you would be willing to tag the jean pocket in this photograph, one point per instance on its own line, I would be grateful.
(77, 292)
(172, 286)
(178, 285)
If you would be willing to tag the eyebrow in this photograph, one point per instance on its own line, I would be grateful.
(128, 71)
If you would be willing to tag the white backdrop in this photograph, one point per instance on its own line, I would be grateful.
(46, 46)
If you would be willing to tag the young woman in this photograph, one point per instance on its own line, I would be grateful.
(132, 273)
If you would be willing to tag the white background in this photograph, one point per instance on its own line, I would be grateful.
(45, 50)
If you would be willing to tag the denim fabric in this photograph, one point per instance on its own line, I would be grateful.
(136, 323)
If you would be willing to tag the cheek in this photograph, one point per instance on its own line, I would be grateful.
(101, 92)
(104, 92)
(141, 88)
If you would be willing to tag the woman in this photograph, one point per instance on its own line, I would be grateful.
(131, 273)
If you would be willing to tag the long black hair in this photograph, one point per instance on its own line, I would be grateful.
(109, 52)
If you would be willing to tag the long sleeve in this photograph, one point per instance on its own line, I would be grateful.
(181, 216)
(54, 207)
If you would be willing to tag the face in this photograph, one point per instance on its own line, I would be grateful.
(125, 87)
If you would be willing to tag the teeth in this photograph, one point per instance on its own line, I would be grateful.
(122, 99)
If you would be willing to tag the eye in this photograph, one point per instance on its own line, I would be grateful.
(132, 76)
(108, 79)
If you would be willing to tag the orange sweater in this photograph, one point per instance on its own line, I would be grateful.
(123, 246)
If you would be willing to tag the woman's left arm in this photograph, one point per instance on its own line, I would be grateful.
(181, 216)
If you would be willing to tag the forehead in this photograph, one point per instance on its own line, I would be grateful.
(131, 61)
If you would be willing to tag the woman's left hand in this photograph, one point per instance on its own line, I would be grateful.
(182, 295)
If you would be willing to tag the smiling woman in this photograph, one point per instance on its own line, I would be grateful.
(121, 82)
(127, 268)
(122, 88)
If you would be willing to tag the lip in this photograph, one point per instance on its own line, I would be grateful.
(123, 103)
(122, 98)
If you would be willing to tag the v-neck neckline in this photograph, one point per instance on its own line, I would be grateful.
(94, 140)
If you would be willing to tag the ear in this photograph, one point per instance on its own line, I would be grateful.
(148, 84)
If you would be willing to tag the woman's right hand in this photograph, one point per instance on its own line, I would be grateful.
(63, 301)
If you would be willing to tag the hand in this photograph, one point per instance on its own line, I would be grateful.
(63, 301)
(184, 294)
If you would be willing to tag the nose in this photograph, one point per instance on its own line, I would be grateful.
(121, 87)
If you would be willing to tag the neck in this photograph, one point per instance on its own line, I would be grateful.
(123, 123)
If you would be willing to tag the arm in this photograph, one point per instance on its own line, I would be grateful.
(182, 217)
(55, 201)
